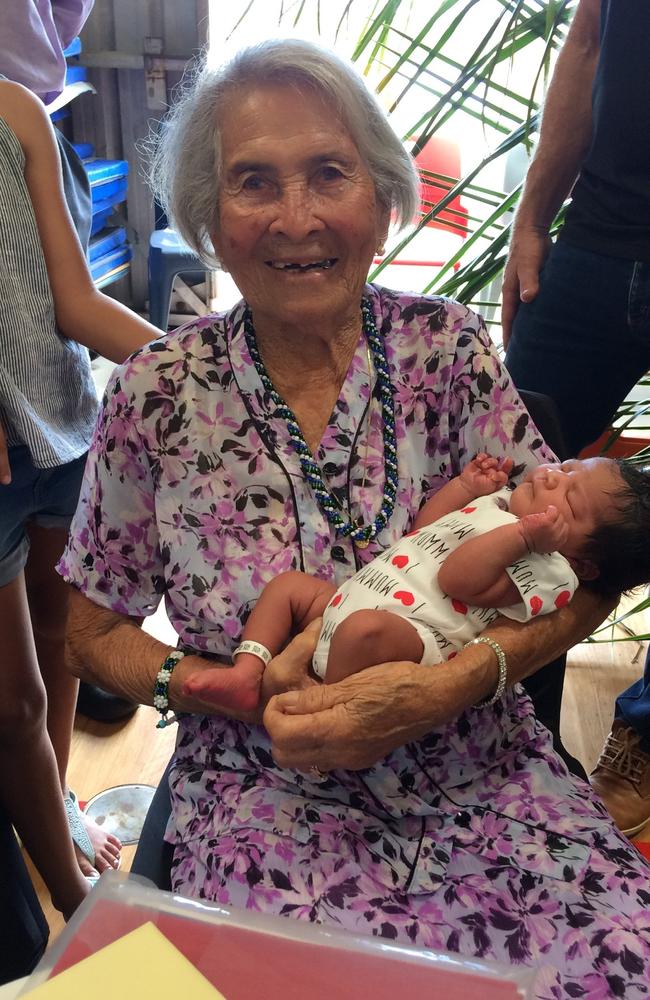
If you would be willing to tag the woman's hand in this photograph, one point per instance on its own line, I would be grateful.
(356, 722)
(290, 670)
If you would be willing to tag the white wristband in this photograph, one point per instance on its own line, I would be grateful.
(256, 648)
(503, 669)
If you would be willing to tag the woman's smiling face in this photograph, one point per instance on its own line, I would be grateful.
(299, 221)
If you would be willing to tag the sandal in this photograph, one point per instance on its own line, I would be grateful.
(79, 833)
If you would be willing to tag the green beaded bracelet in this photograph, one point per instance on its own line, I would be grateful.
(161, 689)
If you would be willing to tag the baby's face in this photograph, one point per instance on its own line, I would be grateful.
(584, 492)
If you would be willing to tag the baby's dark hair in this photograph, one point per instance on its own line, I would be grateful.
(621, 548)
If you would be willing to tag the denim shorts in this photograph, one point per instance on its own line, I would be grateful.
(47, 497)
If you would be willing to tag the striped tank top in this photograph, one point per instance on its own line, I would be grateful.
(47, 397)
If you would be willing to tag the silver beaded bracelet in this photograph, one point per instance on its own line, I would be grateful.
(503, 669)
(256, 648)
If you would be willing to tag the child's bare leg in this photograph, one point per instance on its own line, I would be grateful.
(48, 604)
(366, 638)
(29, 776)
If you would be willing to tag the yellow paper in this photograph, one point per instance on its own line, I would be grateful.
(143, 964)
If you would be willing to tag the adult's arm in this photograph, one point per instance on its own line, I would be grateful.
(356, 722)
(83, 313)
(110, 649)
(564, 139)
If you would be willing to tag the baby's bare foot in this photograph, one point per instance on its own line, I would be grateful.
(236, 688)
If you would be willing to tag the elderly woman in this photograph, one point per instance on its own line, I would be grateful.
(303, 430)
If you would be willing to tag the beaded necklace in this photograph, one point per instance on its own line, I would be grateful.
(361, 534)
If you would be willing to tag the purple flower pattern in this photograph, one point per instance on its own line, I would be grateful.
(476, 839)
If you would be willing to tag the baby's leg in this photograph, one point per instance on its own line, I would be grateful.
(290, 600)
(367, 638)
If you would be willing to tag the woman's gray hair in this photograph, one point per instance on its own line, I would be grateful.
(185, 167)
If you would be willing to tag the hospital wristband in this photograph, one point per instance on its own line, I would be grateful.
(503, 669)
(161, 689)
(256, 648)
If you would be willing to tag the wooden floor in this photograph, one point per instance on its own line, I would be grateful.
(135, 751)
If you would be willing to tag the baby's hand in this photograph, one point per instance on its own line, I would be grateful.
(545, 532)
(485, 474)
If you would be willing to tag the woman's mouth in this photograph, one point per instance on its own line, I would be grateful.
(316, 265)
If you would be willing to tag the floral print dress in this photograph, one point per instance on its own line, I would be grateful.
(476, 839)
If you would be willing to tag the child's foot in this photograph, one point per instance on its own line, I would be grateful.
(106, 848)
(236, 688)
(96, 850)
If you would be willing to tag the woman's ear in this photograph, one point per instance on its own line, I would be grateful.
(584, 569)
(383, 225)
(216, 246)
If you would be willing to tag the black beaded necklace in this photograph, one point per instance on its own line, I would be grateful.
(361, 534)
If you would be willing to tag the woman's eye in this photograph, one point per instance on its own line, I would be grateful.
(328, 172)
(253, 183)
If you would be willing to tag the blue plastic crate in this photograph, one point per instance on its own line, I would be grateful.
(101, 171)
(73, 49)
(109, 195)
(111, 266)
(84, 150)
(100, 220)
(74, 74)
(106, 241)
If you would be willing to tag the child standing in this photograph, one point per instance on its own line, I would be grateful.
(51, 314)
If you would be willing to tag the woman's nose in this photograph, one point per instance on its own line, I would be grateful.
(295, 215)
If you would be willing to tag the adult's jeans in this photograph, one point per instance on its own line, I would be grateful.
(585, 341)
(634, 706)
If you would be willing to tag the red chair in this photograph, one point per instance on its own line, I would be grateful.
(439, 156)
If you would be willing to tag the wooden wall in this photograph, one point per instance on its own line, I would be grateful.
(132, 87)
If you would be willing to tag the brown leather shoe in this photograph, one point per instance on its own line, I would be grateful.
(622, 778)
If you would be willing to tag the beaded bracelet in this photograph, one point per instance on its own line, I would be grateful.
(161, 689)
(503, 669)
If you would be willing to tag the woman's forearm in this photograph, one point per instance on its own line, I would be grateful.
(112, 651)
(528, 646)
